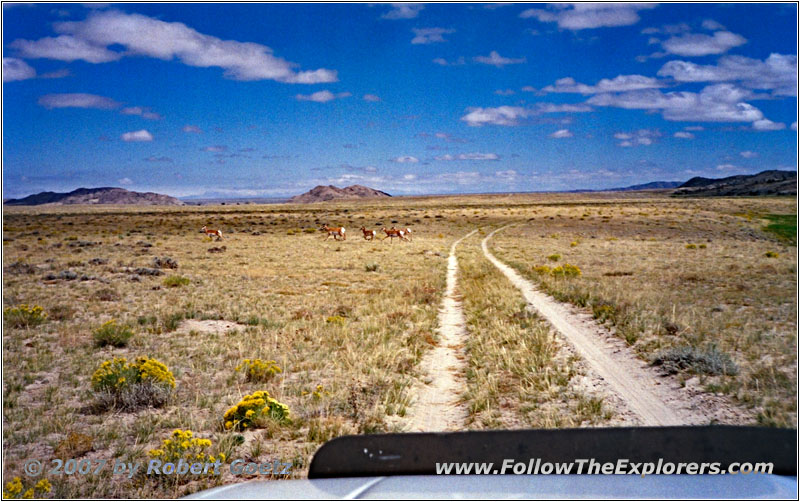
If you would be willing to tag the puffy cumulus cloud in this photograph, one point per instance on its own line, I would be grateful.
(793, 127)
(495, 59)
(405, 159)
(778, 72)
(580, 16)
(125, 181)
(768, 125)
(561, 133)
(322, 96)
(430, 35)
(683, 135)
(619, 83)
(727, 167)
(140, 135)
(16, 69)
(508, 174)
(371, 97)
(469, 156)
(748, 154)
(502, 115)
(700, 44)
(403, 11)
(716, 103)
(711, 25)
(192, 129)
(514, 115)
(77, 100)
(641, 137)
(90, 40)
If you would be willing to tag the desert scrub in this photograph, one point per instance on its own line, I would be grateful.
(336, 319)
(771, 254)
(254, 411)
(691, 246)
(15, 489)
(129, 386)
(111, 333)
(566, 270)
(256, 370)
(176, 281)
(542, 269)
(371, 267)
(24, 316)
(181, 445)
(709, 361)
(554, 257)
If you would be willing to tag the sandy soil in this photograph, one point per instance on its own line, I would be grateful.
(638, 389)
(437, 407)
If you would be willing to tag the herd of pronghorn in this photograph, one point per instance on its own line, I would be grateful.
(339, 233)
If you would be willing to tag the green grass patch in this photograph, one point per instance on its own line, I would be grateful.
(783, 226)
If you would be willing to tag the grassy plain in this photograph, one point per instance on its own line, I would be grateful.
(347, 322)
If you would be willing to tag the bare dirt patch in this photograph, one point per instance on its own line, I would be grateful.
(209, 327)
(437, 406)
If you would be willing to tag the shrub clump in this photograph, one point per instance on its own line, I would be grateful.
(129, 386)
(15, 489)
(771, 254)
(336, 319)
(175, 281)
(256, 370)
(164, 262)
(554, 257)
(181, 445)
(708, 361)
(542, 269)
(371, 267)
(111, 333)
(254, 411)
(24, 316)
(566, 270)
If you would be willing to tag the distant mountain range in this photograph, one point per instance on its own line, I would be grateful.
(772, 182)
(322, 193)
(103, 195)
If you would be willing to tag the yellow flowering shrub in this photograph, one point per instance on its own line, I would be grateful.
(14, 489)
(253, 409)
(318, 393)
(24, 316)
(131, 385)
(111, 333)
(566, 270)
(182, 445)
(256, 370)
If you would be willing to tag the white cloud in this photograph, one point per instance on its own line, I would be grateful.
(495, 59)
(65, 48)
(561, 133)
(142, 112)
(641, 137)
(694, 128)
(430, 35)
(700, 44)
(512, 115)
(443, 62)
(768, 125)
(139, 35)
(191, 129)
(409, 177)
(793, 127)
(713, 104)
(405, 159)
(684, 135)
(726, 167)
(16, 69)
(581, 16)
(403, 11)
(215, 148)
(712, 25)
(505, 92)
(140, 135)
(502, 115)
(371, 97)
(528, 88)
(322, 96)
(508, 174)
(619, 83)
(469, 156)
(77, 100)
(125, 181)
(778, 72)
(748, 154)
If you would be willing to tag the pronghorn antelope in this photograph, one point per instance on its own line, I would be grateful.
(340, 231)
(211, 233)
(407, 233)
(368, 234)
(392, 233)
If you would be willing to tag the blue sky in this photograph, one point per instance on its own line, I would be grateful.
(270, 100)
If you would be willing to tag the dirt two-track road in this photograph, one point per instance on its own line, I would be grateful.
(641, 395)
